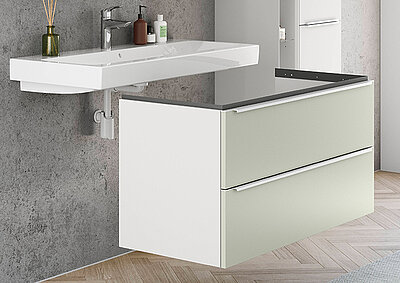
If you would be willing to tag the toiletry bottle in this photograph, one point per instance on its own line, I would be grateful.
(151, 37)
(140, 29)
(160, 27)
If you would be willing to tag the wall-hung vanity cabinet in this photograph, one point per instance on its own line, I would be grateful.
(221, 183)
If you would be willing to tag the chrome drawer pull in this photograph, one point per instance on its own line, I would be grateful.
(321, 23)
(300, 97)
(301, 170)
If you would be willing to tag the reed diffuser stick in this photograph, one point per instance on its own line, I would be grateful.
(48, 6)
(54, 11)
(45, 9)
(50, 10)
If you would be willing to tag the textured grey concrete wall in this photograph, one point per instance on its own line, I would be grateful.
(58, 179)
(361, 49)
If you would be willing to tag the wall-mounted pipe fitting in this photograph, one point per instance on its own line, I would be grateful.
(131, 89)
(105, 117)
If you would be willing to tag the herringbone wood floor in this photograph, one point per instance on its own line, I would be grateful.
(316, 259)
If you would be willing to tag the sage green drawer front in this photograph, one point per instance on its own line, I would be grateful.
(271, 140)
(258, 220)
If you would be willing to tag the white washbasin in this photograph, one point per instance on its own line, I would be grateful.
(90, 70)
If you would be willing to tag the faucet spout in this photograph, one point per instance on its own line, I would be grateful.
(117, 24)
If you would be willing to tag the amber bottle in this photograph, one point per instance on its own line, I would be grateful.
(140, 29)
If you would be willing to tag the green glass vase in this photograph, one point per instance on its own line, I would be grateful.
(50, 43)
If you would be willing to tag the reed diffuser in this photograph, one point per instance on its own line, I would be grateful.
(50, 40)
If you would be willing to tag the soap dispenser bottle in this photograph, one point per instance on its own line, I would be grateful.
(140, 29)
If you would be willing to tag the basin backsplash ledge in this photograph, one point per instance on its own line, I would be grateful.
(59, 188)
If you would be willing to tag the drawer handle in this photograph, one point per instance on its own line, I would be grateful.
(301, 170)
(321, 23)
(300, 97)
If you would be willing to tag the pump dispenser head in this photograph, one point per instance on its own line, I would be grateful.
(140, 15)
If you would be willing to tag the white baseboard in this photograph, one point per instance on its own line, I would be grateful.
(84, 267)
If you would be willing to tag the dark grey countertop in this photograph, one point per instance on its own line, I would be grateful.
(291, 83)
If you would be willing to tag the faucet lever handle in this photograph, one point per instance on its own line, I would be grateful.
(106, 13)
(113, 8)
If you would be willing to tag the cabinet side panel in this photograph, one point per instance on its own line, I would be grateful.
(390, 126)
(289, 49)
(170, 181)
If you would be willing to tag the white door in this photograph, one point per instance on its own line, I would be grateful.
(319, 10)
(321, 47)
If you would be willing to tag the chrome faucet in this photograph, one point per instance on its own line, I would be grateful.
(108, 24)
